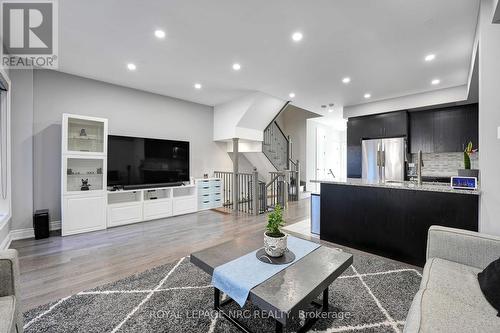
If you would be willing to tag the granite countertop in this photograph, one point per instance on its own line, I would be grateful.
(406, 185)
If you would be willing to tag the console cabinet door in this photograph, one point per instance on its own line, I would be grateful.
(83, 214)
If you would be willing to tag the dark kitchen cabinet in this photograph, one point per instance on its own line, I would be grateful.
(385, 125)
(394, 124)
(354, 134)
(421, 132)
(444, 130)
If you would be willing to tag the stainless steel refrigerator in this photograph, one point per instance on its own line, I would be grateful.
(383, 159)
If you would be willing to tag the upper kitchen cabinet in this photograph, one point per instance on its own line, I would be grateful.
(422, 131)
(444, 130)
(393, 124)
(385, 125)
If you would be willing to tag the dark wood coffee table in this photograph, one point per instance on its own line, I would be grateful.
(287, 292)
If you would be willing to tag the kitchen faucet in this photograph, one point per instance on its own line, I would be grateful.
(420, 164)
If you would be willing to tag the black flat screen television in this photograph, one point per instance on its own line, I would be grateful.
(142, 162)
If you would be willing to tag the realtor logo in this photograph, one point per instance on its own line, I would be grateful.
(29, 33)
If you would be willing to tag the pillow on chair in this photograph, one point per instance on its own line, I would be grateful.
(489, 281)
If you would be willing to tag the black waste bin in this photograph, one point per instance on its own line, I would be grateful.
(41, 223)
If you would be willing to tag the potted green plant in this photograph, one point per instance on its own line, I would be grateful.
(467, 171)
(275, 243)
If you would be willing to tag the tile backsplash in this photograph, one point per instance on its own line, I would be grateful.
(445, 164)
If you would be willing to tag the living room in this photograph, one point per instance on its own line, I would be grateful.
(228, 166)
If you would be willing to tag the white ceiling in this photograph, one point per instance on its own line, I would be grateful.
(380, 44)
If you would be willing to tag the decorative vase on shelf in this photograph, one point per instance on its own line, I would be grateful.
(83, 132)
(275, 241)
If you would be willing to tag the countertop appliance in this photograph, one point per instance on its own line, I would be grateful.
(383, 159)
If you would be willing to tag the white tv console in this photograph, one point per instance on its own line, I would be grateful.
(131, 206)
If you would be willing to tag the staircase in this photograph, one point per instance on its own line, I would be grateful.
(275, 180)
(284, 182)
(276, 146)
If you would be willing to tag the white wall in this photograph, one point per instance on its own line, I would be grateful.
(489, 120)
(227, 115)
(246, 117)
(130, 112)
(435, 97)
(496, 17)
(22, 141)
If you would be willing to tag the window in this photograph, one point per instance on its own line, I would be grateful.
(5, 200)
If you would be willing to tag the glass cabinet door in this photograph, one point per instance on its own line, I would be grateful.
(84, 174)
(85, 135)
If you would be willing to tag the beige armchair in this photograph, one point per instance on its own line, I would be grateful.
(10, 310)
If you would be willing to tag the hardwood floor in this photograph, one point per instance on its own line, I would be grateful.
(58, 266)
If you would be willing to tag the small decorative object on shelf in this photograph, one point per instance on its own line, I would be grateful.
(83, 132)
(205, 175)
(99, 171)
(85, 185)
(467, 171)
(70, 171)
(275, 243)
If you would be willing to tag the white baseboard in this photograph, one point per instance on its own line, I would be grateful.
(26, 233)
(6, 242)
(54, 225)
(22, 234)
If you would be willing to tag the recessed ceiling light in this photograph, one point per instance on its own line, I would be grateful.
(197, 86)
(367, 96)
(330, 110)
(160, 34)
(292, 95)
(430, 57)
(131, 67)
(435, 82)
(346, 80)
(297, 36)
(236, 66)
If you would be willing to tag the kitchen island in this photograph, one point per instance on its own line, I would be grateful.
(392, 218)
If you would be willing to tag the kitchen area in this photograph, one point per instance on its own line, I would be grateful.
(406, 170)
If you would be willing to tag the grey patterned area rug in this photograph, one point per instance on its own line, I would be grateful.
(373, 295)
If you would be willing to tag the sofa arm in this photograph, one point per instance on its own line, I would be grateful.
(9, 282)
(9, 273)
(462, 246)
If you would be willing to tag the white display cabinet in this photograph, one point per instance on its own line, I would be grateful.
(84, 135)
(83, 174)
